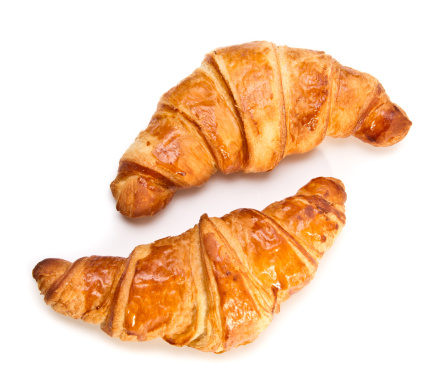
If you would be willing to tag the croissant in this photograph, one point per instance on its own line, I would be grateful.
(212, 288)
(244, 109)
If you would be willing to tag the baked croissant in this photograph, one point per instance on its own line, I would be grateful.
(244, 109)
(214, 287)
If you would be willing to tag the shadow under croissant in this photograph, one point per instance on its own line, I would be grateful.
(291, 168)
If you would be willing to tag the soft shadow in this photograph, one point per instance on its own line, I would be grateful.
(354, 143)
(183, 196)
(97, 338)
(291, 161)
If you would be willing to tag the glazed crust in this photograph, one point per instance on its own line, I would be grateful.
(243, 110)
(214, 287)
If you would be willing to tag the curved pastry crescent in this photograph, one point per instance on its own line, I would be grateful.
(214, 287)
(244, 109)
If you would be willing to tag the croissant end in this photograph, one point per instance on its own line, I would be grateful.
(137, 196)
(49, 271)
(330, 189)
(385, 126)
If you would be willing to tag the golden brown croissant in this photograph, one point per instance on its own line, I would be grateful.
(214, 287)
(244, 109)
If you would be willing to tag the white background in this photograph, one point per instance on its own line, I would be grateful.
(80, 79)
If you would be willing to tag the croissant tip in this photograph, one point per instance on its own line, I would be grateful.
(331, 189)
(385, 126)
(46, 272)
(49, 266)
(336, 181)
(139, 196)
